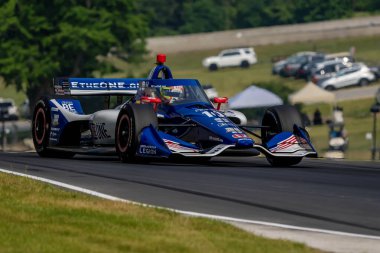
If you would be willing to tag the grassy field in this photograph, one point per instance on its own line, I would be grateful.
(37, 217)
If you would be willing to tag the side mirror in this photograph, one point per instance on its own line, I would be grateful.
(220, 100)
(151, 100)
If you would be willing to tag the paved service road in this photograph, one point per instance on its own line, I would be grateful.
(318, 193)
(357, 93)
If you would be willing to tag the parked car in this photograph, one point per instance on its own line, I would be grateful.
(376, 70)
(304, 70)
(8, 109)
(292, 67)
(327, 69)
(237, 57)
(279, 65)
(357, 74)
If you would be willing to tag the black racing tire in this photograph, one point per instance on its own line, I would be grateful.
(41, 125)
(363, 82)
(213, 67)
(283, 161)
(280, 119)
(330, 88)
(244, 64)
(132, 119)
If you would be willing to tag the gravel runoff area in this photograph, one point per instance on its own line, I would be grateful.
(363, 26)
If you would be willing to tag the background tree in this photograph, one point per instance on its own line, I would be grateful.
(191, 16)
(315, 10)
(163, 17)
(42, 39)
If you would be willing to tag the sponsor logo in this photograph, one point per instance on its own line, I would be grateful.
(209, 114)
(148, 150)
(219, 114)
(69, 106)
(233, 130)
(55, 120)
(222, 120)
(222, 124)
(58, 89)
(103, 85)
(99, 131)
(239, 136)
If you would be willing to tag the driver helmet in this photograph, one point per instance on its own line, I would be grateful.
(172, 93)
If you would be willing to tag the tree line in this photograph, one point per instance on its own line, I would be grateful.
(193, 16)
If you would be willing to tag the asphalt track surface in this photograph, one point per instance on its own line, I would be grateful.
(317, 193)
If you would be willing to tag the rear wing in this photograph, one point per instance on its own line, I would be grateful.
(96, 86)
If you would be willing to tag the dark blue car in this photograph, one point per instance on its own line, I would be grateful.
(160, 117)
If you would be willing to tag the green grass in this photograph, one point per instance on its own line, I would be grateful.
(37, 217)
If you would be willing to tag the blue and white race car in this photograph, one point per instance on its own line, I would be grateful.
(159, 117)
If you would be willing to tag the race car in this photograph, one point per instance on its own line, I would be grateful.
(159, 117)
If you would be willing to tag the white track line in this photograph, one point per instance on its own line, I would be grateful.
(195, 214)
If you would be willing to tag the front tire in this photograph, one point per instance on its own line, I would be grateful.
(132, 119)
(280, 119)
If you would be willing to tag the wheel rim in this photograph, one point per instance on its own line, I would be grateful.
(40, 126)
(124, 133)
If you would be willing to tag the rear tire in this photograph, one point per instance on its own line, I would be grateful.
(213, 67)
(244, 64)
(132, 119)
(41, 125)
(363, 82)
(280, 119)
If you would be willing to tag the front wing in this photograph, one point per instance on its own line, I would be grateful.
(154, 143)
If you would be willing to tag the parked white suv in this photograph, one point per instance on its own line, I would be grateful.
(357, 74)
(236, 57)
